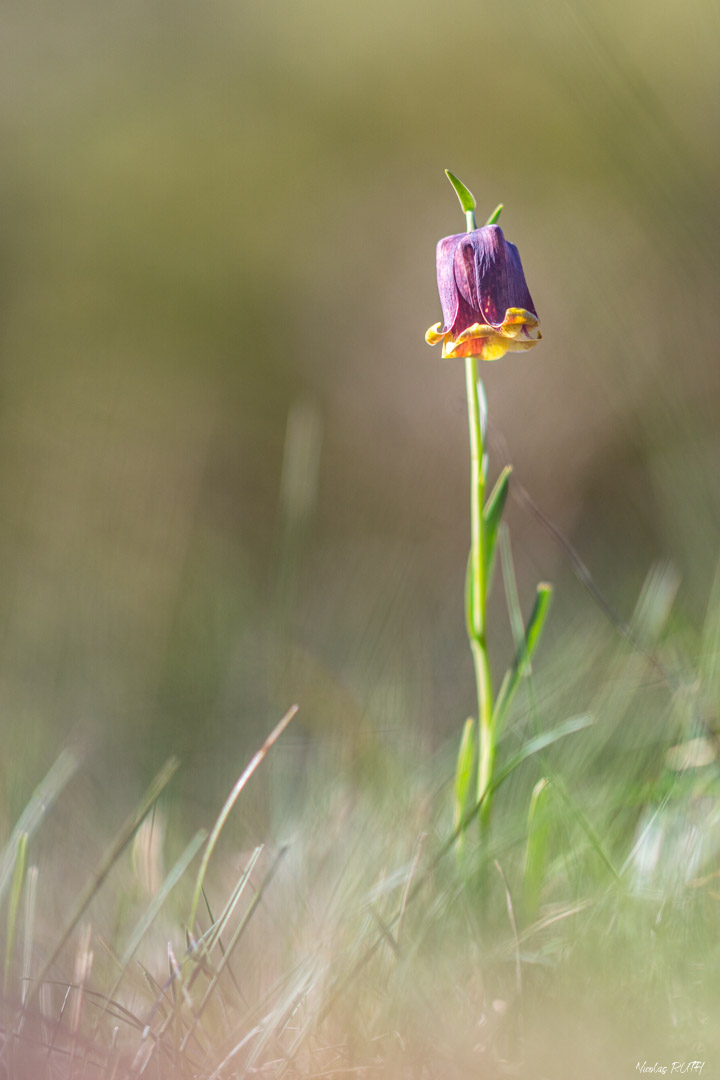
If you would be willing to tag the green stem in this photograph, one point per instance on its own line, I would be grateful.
(477, 597)
(477, 495)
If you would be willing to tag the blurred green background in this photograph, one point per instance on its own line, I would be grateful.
(217, 232)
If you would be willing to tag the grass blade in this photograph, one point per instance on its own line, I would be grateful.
(539, 743)
(155, 907)
(654, 605)
(588, 828)
(538, 828)
(217, 930)
(235, 938)
(15, 891)
(465, 770)
(40, 802)
(106, 864)
(230, 802)
(710, 655)
(30, 906)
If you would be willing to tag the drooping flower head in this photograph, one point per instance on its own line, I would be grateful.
(486, 304)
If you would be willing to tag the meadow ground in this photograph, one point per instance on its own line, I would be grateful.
(329, 925)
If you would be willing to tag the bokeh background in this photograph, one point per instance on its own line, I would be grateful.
(232, 475)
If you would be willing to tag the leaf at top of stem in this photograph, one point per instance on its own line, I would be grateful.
(492, 220)
(466, 197)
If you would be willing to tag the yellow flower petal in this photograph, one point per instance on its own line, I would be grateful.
(433, 335)
(518, 332)
(518, 315)
(520, 344)
(520, 323)
(477, 330)
(495, 348)
(486, 346)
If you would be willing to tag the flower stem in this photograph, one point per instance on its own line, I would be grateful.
(477, 593)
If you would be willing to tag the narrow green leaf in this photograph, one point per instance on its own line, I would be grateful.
(157, 902)
(539, 743)
(524, 654)
(536, 622)
(492, 515)
(29, 942)
(492, 220)
(40, 802)
(532, 746)
(466, 197)
(538, 827)
(14, 903)
(465, 770)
